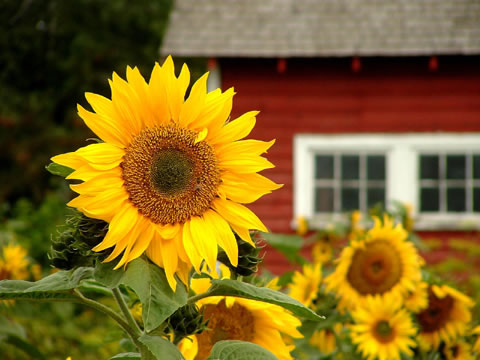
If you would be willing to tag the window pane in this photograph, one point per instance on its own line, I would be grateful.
(323, 167)
(476, 199)
(350, 167)
(376, 167)
(456, 165)
(429, 167)
(456, 199)
(429, 199)
(350, 199)
(324, 200)
(476, 166)
(375, 195)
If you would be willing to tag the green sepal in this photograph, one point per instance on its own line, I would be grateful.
(150, 284)
(228, 287)
(239, 350)
(161, 348)
(60, 170)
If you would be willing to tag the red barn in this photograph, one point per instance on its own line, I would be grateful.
(369, 101)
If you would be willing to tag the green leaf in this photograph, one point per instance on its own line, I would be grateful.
(127, 356)
(57, 169)
(53, 287)
(239, 350)
(228, 287)
(161, 348)
(150, 284)
(288, 244)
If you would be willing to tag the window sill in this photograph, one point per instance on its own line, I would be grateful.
(434, 222)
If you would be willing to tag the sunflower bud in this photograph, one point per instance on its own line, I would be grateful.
(186, 321)
(71, 247)
(248, 258)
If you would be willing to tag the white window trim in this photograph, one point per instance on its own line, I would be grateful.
(401, 151)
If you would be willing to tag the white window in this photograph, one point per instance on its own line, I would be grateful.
(438, 174)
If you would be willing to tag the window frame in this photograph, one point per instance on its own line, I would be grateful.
(401, 183)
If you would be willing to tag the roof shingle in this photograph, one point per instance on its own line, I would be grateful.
(304, 28)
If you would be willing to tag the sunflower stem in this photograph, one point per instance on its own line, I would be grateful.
(117, 294)
(107, 311)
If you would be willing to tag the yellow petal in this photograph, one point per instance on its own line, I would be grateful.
(108, 180)
(236, 129)
(120, 225)
(142, 243)
(238, 214)
(224, 235)
(102, 156)
(176, 88)
(201, 135)
(195, 102)
(125, 105)
(240, 192)
(244, 147)
(191, 247)
(216, 111)
(106, 129)
(205, 239)
(245, 164)
(244, 233)
(167, 231)
(170, 262)
(158, 96)
(103, 205)
(139, 86)
(71, 160)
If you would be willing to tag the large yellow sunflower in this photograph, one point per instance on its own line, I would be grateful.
(232, 318)
(383, 328)
(446, 317)
(306, 284)
(171, 175)
(382, 262)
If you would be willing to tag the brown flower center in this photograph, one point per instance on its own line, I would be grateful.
(375, 269)
(234, 323)
(383, 332)
(168, 176)
(437, 314)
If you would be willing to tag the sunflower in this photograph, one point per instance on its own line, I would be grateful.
(325, 340)
(13, 263)
(446, 317)
(322, 251)
(383, 328)
(305, 285)
(458, 351)
(382, 262)
(232, 318)
(417, 299)
(171, 175)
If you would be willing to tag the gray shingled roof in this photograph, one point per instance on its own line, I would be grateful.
(288, 28)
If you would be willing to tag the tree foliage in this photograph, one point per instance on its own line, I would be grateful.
(52, 51)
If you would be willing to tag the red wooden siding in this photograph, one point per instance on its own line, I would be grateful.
(325, 96)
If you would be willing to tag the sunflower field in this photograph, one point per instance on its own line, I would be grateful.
(380, 298)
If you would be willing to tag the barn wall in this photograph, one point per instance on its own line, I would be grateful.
(326, 96)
